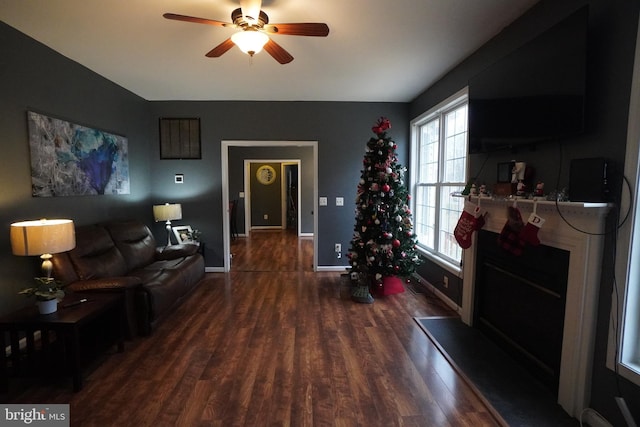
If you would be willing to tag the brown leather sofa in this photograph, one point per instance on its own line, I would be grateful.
(123, 257)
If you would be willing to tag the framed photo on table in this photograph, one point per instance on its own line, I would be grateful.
(183, 234)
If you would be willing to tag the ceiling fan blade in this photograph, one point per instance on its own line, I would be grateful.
(314, 29)
(278, 52)
(186, 18)
(219, 50)
(251, 10)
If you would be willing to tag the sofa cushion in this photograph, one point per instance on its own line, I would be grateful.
(95, 255)
(135, 241)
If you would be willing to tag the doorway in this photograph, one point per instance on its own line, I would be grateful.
(225, 147)
(271, 204)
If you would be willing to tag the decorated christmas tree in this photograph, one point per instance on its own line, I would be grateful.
(384, 243)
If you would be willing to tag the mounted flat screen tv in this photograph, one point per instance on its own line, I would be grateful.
(535, 94)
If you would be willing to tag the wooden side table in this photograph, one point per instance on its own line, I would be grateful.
(59, 335)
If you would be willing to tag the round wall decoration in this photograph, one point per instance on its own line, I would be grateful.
(266, 175)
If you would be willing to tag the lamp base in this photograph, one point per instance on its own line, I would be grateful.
(47, 265)
(168, 227)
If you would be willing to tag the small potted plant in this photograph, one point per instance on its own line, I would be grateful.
(47, 291)
(194, 235)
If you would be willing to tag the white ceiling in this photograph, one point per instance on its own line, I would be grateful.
(377, 50)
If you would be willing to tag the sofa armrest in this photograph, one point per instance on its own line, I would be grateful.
(175, 251)
(105, 284)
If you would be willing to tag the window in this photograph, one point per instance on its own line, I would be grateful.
(624, 344)
(439, 167)
(623, 354)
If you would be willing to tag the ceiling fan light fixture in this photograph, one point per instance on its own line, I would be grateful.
(250, 41)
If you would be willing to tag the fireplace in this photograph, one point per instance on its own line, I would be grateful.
(520, 303)
(572, 235)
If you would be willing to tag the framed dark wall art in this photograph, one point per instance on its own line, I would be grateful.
(72, 160)
(180, 138)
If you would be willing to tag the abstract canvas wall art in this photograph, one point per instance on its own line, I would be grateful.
(72, 160)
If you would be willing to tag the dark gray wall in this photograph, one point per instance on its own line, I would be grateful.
(33, 77)
(612, 34)
(341, 129)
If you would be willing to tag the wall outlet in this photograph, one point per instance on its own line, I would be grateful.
(338, 247)
(445, 282)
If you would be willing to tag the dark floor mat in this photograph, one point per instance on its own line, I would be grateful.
(508, 388)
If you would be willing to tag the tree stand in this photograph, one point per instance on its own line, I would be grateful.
(360, 293)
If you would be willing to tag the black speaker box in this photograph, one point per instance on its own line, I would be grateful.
(588, 180)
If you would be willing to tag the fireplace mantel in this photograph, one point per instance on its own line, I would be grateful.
(576, 227)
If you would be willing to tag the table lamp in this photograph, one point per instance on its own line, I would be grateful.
(43, 237)
(167, 212)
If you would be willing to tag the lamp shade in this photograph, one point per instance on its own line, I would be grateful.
(250, 42)
(167, 212)
(44, 236)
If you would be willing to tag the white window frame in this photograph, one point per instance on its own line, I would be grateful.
(450, 103)
(623, 351)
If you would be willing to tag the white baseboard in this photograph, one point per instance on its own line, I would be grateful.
(437, 292)
(340, 268)
(343, 268)
(593, 419)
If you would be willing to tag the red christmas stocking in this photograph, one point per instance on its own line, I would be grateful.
(509, 238)
(470, 221)
(529, 233)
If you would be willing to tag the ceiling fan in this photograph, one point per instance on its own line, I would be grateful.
(254, 30)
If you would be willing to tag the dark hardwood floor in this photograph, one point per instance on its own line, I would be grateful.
(274, 344)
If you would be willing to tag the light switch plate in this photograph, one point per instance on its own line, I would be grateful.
(323, 201)
(339, 201)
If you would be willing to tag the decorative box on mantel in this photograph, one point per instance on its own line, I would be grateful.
(585, 247)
